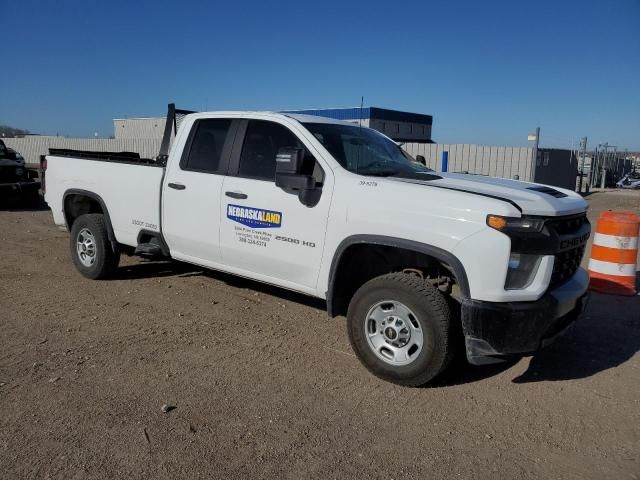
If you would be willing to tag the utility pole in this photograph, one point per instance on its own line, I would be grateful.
(583, 154)
(594, 167)
(603, 177)
(624, 164)
(536, 139)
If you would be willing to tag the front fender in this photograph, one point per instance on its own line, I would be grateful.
(435, 252)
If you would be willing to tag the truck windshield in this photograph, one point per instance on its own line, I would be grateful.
(365, 151)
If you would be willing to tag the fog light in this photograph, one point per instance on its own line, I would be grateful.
(19, 172)
(522, 270)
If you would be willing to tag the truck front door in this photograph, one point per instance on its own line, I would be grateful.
(265, 230)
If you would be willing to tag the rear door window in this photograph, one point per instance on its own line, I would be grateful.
(205, 152)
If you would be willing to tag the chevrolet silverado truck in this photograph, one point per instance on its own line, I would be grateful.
(15, 178)
(413, 258)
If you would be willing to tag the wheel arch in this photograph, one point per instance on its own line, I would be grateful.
(440, 255)
(76, 202)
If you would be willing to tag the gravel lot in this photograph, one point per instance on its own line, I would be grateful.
(265, 385)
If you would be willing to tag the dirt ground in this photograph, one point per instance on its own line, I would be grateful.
(265, 385)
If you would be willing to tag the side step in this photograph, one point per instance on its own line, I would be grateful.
(150, 249)
(151, 244)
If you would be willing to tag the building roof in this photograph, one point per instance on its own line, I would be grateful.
(355, 113)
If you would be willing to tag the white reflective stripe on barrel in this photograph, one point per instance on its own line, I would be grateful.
(610, 268)
(612, 241)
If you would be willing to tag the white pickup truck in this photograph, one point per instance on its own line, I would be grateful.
(416, 260)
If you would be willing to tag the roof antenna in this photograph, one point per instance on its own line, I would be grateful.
(361, 103)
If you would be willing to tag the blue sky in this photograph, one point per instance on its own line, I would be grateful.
(488, 72)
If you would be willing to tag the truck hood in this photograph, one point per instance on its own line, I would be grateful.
(530, 198)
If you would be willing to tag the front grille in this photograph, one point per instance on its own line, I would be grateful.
(567, 262)
(567, 225)
(8, 175)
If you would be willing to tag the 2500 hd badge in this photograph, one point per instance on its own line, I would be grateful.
(295, 241)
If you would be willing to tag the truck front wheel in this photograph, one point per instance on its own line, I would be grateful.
(399, 326)
(91, 249)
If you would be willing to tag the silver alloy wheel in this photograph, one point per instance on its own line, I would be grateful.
(393, 333)
(86, 247)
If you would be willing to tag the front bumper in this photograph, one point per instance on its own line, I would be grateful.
(20, 187)
(495, 331)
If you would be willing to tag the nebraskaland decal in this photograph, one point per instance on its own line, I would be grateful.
(254, 217)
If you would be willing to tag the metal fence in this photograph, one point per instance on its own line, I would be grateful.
(494, 161)
(32, 147)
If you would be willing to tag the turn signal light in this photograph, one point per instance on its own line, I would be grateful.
(497, 222)
(523, 224)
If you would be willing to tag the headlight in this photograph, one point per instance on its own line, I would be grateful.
(19, 171)
(515, 224)
(522, 270)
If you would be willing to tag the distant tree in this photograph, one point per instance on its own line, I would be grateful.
(6, 131)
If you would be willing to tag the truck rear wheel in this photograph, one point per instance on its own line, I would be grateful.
(399, 327)
(91, 249)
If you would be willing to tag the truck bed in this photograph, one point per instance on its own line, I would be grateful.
(130, 186)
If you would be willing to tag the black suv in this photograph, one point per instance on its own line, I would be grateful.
(14, 177)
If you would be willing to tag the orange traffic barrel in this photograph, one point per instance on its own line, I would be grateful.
(612, 266)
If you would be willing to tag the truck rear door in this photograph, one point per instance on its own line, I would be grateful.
(265, 232)
(192, 189)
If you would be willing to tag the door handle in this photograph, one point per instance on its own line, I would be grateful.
(238, 195)
(176, 186)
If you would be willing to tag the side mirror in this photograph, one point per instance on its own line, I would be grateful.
(292, 182)
(289, 176)
(289, 160)
(421, 159)
(288, 170)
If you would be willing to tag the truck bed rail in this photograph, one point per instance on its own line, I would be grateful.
(121, 157)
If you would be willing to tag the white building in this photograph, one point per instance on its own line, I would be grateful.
(146, 127)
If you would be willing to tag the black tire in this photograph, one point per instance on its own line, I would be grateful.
(432, 314)
(105, 259)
